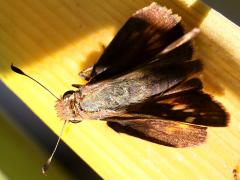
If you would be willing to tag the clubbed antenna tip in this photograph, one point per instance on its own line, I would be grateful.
(19, 71)
(46, 165)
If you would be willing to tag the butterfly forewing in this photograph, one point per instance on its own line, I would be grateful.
(143, 36)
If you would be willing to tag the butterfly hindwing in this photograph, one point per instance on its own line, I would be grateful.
(163, 132)
(178, 119)
(193, 107)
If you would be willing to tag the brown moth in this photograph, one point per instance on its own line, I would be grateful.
(145, 84)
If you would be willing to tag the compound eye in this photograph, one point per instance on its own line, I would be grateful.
(67, 94)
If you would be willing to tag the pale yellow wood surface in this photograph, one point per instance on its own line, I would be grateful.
(54, 40)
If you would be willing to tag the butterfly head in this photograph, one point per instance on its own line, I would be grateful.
(68, 108)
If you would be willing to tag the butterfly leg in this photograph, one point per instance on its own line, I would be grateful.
(77, 86)
(86, 73)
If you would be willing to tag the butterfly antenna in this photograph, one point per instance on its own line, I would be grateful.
(19, 71)
(46, 165)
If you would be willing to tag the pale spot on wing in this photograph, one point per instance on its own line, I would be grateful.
(170, 130)
(174, 129)
(188, 110)
(190, 119)
(183, 126)
(179, 107)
